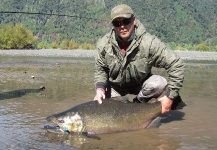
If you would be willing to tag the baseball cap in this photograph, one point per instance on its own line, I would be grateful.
(122, 10)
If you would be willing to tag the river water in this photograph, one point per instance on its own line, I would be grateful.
(69, 81)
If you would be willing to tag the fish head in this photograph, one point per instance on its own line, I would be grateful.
(71, 122)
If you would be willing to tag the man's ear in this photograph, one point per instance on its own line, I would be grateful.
(134, 20)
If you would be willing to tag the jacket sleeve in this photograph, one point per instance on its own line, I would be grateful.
(163, 57)
(101, 69)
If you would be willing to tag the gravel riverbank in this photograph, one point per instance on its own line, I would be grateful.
(186, 55)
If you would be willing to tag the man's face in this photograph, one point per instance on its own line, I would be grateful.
(124, 27)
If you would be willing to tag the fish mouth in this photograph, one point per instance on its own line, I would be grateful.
(70, 123)
(55, 129)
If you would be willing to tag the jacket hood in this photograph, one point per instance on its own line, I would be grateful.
(139, 29)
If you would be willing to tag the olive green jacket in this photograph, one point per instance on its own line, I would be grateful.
(144, 52)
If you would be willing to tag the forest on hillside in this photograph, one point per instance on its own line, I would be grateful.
(84, 21)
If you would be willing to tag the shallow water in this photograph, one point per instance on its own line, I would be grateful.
(69, 81)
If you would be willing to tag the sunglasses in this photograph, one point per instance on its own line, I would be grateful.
(122, 22)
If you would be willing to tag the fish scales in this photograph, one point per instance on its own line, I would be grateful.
(108, 117)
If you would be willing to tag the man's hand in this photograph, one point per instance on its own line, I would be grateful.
(166, 104)
(100, 95)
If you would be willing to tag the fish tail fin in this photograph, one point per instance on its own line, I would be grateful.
(178, 103)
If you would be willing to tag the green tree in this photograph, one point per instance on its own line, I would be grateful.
(16, 37)
(202, 47)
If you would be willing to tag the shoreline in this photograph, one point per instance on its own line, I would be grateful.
(186, 55)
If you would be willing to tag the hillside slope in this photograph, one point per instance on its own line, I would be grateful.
(179, 21)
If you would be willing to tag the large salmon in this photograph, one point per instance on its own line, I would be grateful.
(111, 116)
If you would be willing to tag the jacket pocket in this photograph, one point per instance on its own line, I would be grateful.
(115, 70)
(136, 72)
(141, 69)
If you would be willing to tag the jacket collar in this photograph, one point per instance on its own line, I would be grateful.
(132, 36)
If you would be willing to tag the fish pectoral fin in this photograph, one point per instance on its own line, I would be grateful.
(155, 123)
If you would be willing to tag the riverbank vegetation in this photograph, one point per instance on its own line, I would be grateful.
(72, 24)
(18, 37)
